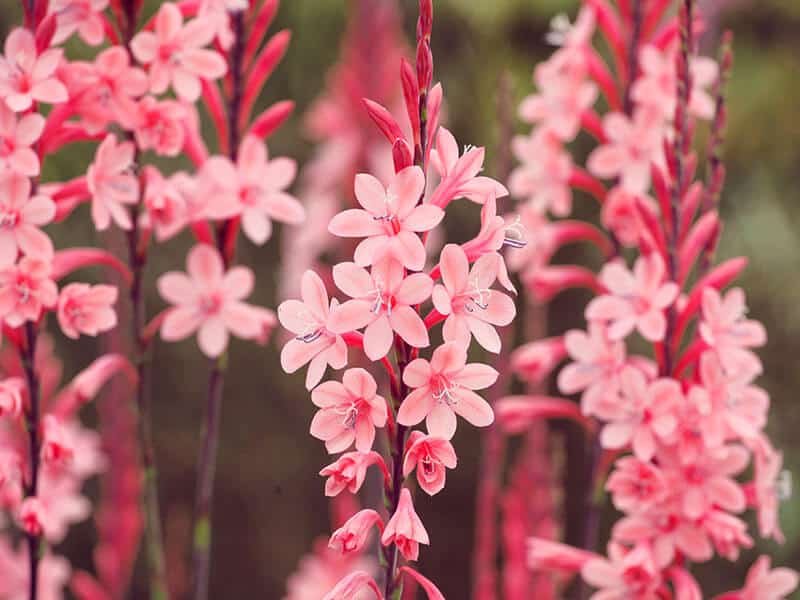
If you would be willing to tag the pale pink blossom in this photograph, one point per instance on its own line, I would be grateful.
(382, 302)
(209, 300)
(27, 76)
(633, 145)
(443, 388)
(319, 572)
(765, 583)
(725, 329)
(544, 174)
(348, 472)
(465, 297)
(635, 300)
(11, 390)
(17, 135)
(543, 554)
(390, 219)
(54, 573)
(353, 586)
(115, 84)
(20, 218)
(532, 237)
(636, 485)
(534, 361)
(429, 456)
(459, 175)
(314, 343)
(58, 505)
(83, 16)
(87, 309)
(405, 529)
(112, 184)
(353, 535)
(25, 290)
(564, 94)
(708, 481)
(255, 187)
(626, 575)
(643, 414)
(349, 412)
(657, 84)
(598, 361)
(768, 489)
(175, 53)
(166, 209)
(159, 125)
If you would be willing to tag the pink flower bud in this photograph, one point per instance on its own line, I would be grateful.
(55, 448)
(349, 471)
(405, 529)
(549, 555)
(351, 584)
(352, 536)
(535, 361)
(424, 65)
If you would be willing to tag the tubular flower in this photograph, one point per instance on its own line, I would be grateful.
(405, 528)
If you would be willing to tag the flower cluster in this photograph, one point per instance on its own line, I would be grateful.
(385, 289)
(681, 427)
(138, 98)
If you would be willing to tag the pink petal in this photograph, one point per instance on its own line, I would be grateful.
(415, 289)
(423, 218)
(238, 283)
(370, 194)
(473, 408)
(180, 323)
(350, 316)
(355, 222)
(353, 280)
(416, 406)
(417, 373)
(407, 248)
(476, 376)
(455, 268)
(409, 326)
(441, 421)
(212, 337)
(207, 64)
(378, 338)
(204, 265)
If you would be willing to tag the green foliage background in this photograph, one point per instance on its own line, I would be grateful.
(269, 504)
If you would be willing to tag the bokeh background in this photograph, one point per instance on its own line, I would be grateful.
(269, 502)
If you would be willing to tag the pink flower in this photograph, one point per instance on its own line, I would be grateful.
(349, 411)
(472, 308)
(643, 414)
(633, 144)
(657, 85)
(25, 289)
(166, 210)
(32, 516)
(16, 138)
(620, 215)
(348, 472)
(765, 583)
(158, 125)
(11, 390)
(175, 55)
(429, 455)
(26, 76)
(598, 361)
(730, 405)
(389, 219)
(255, 187)
(543, 176)
(768, 489)
(382, 302)
(725, 329)
(352, 586)
(443, 388)
(114, 85)
(636, 485)
(708, 481)
(635, 300)
(20, 218)
(352, 536)
(534, 361)
(83, 16)
(405, 529)
(460, 174)
(208, 300)
(56, 449)
(564, 95)
(112, 184)
(626, 575)
(314, 343)
(87, 309)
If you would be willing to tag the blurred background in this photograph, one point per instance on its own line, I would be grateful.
(269, 502)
